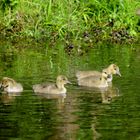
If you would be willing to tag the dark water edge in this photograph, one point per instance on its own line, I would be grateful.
(71, 47)
(84, 114)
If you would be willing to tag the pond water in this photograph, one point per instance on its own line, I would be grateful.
(84, 114)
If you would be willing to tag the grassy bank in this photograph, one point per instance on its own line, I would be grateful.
(70, 20)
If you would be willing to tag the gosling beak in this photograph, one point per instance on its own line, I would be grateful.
(68, 82)
(118, 72)
(1, 87)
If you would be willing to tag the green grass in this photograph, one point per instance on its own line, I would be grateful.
(69, 19)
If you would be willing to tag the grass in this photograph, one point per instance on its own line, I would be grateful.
(70, 20)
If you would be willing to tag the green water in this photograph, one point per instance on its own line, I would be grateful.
(85, 114)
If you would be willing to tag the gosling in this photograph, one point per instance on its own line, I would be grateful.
(95, 81)
(10, 85)
(111, 69)
(52, 88)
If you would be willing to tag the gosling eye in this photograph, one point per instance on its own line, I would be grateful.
(64, 79)
(109, 98)
(4, 86)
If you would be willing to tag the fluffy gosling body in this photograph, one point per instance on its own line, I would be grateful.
(94, 81)
(10, 85)
(52, 88)
(110, 70)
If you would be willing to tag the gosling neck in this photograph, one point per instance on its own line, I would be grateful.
(60, 85)
(103, 79)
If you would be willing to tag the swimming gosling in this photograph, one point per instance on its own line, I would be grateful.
(111, 69)
(10, 85)
(94, 81)
(52, 88)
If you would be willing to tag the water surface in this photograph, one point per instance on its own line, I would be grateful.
(83, 114)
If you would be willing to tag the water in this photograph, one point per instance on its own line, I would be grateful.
(84, 114)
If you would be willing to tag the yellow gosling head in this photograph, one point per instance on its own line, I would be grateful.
(105, 75)
(114, 69)
(61, 79)
(6, 82)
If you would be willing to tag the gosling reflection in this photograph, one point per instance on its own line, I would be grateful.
(60, 98)
(96, 134)
(9, 98)
(109, 94)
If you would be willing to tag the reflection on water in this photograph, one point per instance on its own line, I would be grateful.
(8, 98)
(82, 113)
(109, 94)
(60, 98)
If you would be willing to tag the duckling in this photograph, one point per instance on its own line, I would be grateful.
(111, 69)
(94, 81)
(52, 88)
(10, 85)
